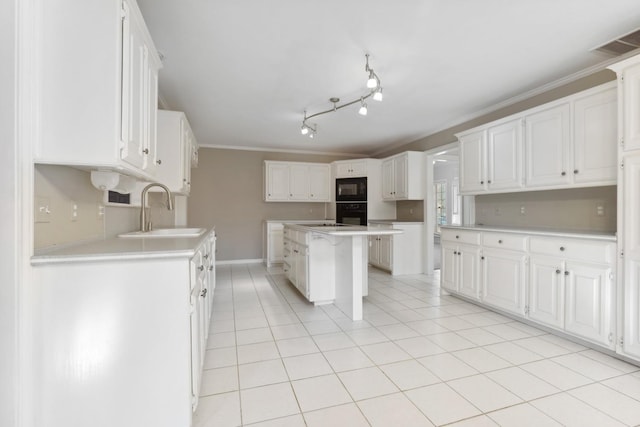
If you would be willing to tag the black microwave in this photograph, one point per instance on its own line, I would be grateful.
(351, 189)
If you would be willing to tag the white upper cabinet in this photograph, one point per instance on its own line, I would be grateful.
(351, 168)
(629, 107)
(175, 142)
(403, 177)
(547, 146)
(99, 59)
(594, 138)
(567, 143)
(297, 182)
(492, 158)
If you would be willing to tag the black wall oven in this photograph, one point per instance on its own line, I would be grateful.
(351, 213)
(351, 189)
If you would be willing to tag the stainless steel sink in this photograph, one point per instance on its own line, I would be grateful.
(165, 233)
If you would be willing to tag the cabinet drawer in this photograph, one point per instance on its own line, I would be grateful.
(514, 242)
(582, 250)
(461, 236)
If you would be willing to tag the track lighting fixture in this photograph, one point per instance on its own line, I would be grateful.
(374, 91)
(363, 108)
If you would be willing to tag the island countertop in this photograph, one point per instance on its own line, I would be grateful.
(343, 230)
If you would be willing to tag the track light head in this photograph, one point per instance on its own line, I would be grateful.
(363, 108)
(377, 95)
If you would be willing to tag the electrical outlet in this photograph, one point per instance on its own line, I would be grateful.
(42, 211)
(600, 209)
(74, 211)
(411, 211)
(522, 210)
(497, 212)
(100, 212)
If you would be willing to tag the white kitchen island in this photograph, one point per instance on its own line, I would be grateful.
(328, 263)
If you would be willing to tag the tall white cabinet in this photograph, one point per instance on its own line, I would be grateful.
(628, 72)
(105, 68)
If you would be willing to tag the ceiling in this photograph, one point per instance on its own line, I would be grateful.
(244, 71)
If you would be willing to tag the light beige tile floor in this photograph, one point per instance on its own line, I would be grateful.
(417, 359)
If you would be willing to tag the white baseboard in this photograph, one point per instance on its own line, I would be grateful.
(240, 261)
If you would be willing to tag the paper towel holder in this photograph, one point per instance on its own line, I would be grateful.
(113, 181)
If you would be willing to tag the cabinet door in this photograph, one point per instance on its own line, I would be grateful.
(359, 168)
(275, 240)
(589, 302)
(547, 147)
(298, 182)
(595, 130)
(319, 183)
(386, 252)
(343, 170)
(374, 250)
(196, 361)
(449, 267)
(630, 242)
(546, 291)
(469, 274)
(472, 162)
(503, 279)
(388, 180)
(277, 182)
(151, 122)
(504, 156)
(400, 175)
(631, 107)
(134, 66)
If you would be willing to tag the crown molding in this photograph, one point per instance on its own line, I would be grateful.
(282, 150)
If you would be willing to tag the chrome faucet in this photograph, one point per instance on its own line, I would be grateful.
(145, 225)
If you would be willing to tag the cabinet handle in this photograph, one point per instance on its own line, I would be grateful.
(500, 241)
(557, 271)
(489, 182)
(204, 293)
(311, 195)
(457, 237)
(145, 151)
(455, 253)
(566, 273)
(211, 268)
(159, 161)
(563, 173)
(459, 253)
(206, 256)
(561, 248)
(481, 182)
(575, 171)
(482, 258)
(201, 268)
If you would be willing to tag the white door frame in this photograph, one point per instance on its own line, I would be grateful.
(468, 206)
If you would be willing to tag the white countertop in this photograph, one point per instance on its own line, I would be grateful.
(541, 231)
(300, 221)
(120, 249)
(345, 230)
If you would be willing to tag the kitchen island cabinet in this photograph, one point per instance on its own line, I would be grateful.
(328, 263)
(398, 254)
(120, 331)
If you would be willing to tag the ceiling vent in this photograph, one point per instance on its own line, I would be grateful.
(621, 45)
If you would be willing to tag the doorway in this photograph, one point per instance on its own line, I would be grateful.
(447, 202)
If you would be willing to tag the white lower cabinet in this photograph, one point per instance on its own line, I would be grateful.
(123, 337)
(504, 279)
(546, 291)
(564, 283)
(380, 252)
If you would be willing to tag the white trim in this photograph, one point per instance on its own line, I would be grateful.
(282, 150)
(241, 261)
